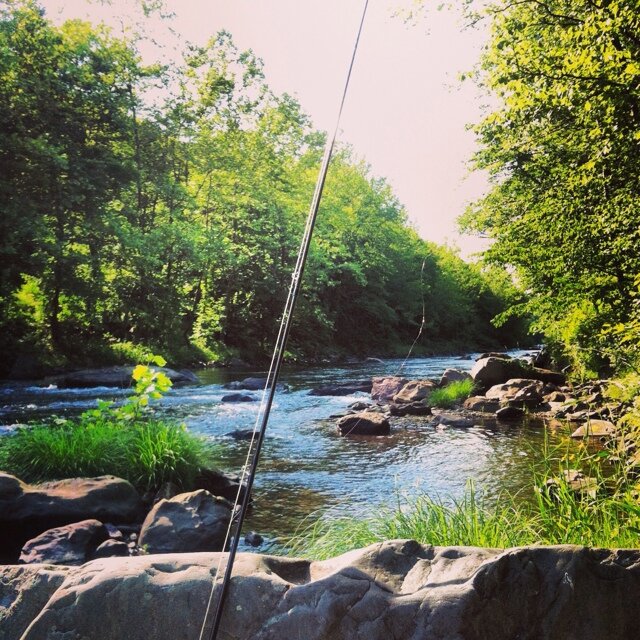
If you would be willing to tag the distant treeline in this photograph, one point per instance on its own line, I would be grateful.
(161, 207)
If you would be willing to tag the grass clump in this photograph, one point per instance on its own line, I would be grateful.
(555, 513)
(451, 395)
(126, 441)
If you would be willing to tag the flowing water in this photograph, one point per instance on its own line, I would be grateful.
(306, 467)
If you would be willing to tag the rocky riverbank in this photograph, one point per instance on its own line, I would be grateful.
(396, 589)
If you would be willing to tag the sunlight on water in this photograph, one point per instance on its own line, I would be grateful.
(306, 467)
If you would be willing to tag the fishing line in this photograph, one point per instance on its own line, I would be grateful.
(260, 426)
(419, 334)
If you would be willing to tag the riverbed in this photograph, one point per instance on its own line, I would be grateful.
(307, 469)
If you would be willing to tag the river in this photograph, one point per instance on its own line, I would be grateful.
(306, 468)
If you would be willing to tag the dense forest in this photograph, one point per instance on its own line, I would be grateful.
(563, 147)
(158, 207)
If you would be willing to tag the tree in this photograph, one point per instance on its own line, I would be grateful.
(563, 151)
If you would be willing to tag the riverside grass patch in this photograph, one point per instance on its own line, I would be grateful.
(127, 441)
(551, 514)
(451, 395)
(147, 452)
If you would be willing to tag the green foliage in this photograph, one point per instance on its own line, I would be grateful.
(451, 395)
(466, 522)
(562, 148)
(137, 219)
(126, 441)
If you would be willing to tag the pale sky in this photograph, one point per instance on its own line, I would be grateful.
(406, 112)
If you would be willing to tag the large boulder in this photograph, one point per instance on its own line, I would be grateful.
(398, 589)
(115, 377)
(72, 544)
(414, 391)
(491, 371)
(27, 511)
(384, 388)
(24, 592)
(365, 423)
(195, 521)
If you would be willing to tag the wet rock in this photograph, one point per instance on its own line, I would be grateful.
(595, 429)
(72, 544)
(414, 391)
(219, 483)
(195, 521)
(359, 406)
(238, 397)
(482, 404)
(240, 434)
(115, 377)
(452, 420)
(111, 549)
(26, 511)
(410, 409)
(366, 423)
(510, 414)
(417, 591)
(453, 375)
(342, 388)
(247, 384)
(384, 388)
(254, 539)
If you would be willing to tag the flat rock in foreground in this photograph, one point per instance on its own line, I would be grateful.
(392, 590)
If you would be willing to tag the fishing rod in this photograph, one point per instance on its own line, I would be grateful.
(249, 470)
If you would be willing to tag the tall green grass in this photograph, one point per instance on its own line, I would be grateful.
(451, 395)
(147, 452)
(551, 514)
(127, 441)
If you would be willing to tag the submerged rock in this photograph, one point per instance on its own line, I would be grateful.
(417, 591)
(365, 423)
(410, 409)
(342, 388)
(238, 397)
(452, 420)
